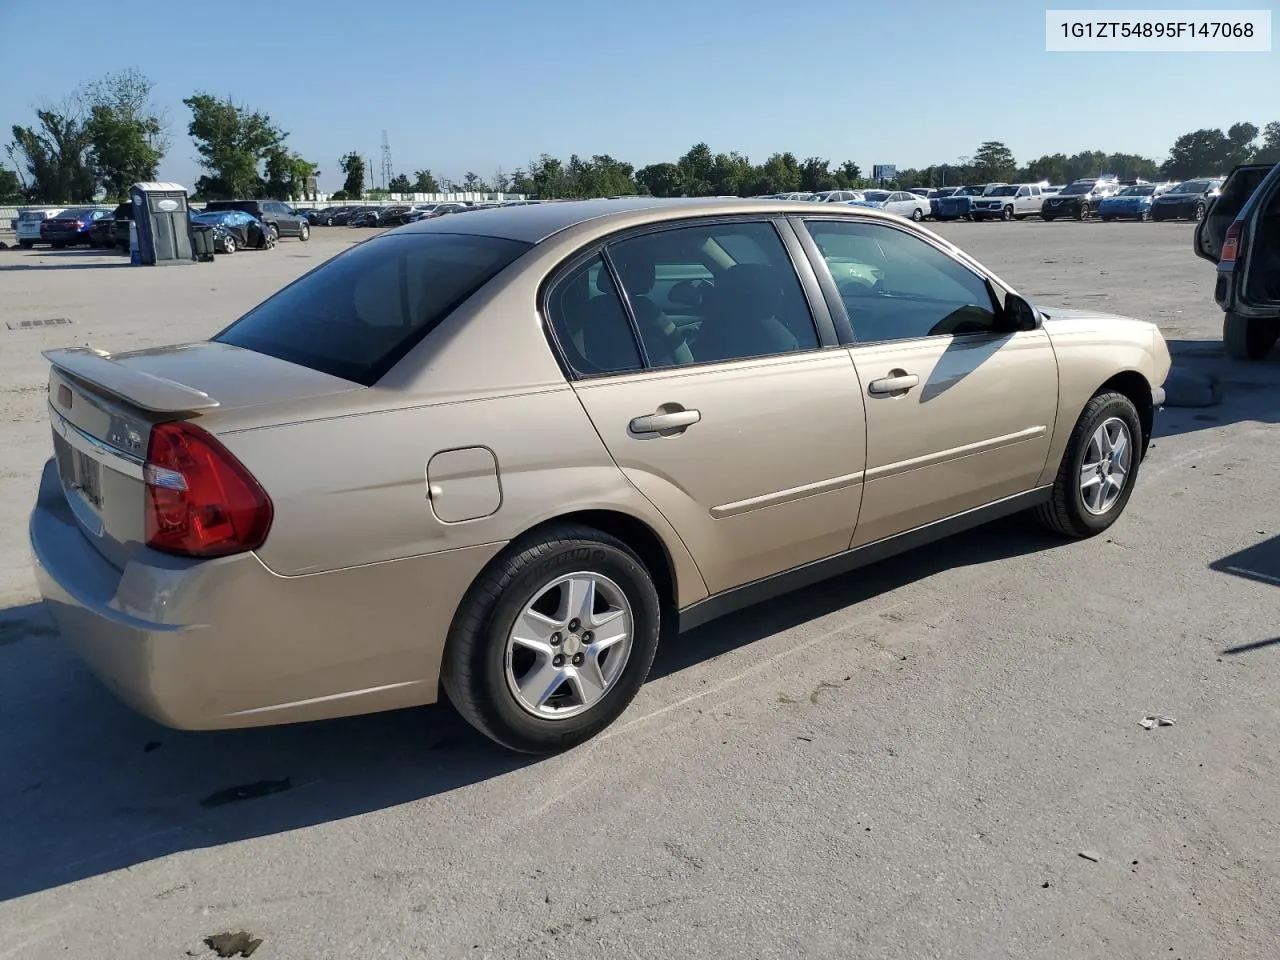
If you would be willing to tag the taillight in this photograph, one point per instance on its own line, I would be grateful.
(1231, 244)
(201, 501)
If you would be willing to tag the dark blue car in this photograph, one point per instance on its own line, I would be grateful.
(71, 227)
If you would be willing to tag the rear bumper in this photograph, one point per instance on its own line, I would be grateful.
(227, 643)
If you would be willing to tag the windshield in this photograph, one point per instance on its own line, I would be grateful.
(1192, 186)
(74, 214)
(876, 196)
(1137, 191)
(969, 191)
(356, 315)
(1003, 192)
(1077, 189)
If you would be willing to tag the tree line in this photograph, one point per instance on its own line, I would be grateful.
(108, 134)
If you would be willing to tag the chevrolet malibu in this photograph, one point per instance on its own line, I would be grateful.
(497, 457)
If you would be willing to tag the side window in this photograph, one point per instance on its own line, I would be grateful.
(591, 324)
(1024, 192)
(896, 286)
(752, 305)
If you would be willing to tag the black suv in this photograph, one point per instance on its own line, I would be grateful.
(286, 221)
(1240, 232)
(1079, 199)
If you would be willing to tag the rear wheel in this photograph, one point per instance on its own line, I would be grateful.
(304, 232)
(917, 215)
(229, 245)
(553, 641)
(1098, 469)
(1248, 338)
(1144, 216)
(1198, 214)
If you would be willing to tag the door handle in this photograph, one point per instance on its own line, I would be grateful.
(895, 384)
(666, 420)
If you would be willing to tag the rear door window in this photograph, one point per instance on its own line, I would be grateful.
(358, 314)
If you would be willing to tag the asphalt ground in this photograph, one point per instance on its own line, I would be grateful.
(938, 756)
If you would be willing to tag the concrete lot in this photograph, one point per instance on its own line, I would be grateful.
(907, 762)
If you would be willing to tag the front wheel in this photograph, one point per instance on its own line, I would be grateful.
(553, 641)
(304, 232)
(229, 245)
(1006, 214)
(917, 214)
(1098, 469)
(1248, 338)
(1198, 215)
(1145, 216)
(1082, 213)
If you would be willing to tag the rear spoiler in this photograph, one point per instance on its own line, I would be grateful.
(143, 390)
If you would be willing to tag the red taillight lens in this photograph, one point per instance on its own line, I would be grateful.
(201, 501)
(1231, 244)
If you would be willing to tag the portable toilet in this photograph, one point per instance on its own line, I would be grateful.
(164, 223)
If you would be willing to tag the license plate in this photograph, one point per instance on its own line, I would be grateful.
(89, 478)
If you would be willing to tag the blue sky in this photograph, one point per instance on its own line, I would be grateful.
(463, 87)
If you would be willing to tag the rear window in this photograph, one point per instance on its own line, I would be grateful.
(355, 316)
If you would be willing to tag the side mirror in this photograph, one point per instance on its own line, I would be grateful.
(1020, 314)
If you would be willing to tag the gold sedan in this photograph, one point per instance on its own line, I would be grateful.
(498, 455)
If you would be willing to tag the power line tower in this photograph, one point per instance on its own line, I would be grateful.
(387, 173)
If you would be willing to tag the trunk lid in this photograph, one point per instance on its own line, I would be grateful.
(102, 408)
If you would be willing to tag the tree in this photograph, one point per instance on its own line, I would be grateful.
(472, 183)
(1206, 152)
(779, 174)
(400, 184)
(993, 162)
(697, 168)
(521, 182)
(10, 187)
(660, 179)
(501, 182)
(353, 166)
(424, 182)
(1269, 152)
(232, 141)
(55, 154)
(287, 174)
(126, 131)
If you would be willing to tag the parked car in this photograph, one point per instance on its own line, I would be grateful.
(1241, 234)
(394, 215)
(960, 204)
(342, 217)
(364, 217)
(235, 230)
(1131, 203)
(316, 217)
(900, 202)
(443, 209)
(121, 217)
(261, 497)
(70, 228)
(1010, 201)
(1188, 200)
(100, 232)
(286, 221)
(27, 229)
(1079, 198)
(836, 196)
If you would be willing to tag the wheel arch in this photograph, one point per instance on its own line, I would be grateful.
(1137, 388)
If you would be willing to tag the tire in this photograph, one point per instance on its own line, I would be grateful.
(1082, 213)
(481, 661)
(1144, 216)
(1248, 338)
(229, 245)
(1020, 216)
(26, 244)
(304, 232)
(1198, 215)
(58, 246)
(1067, 512)
(1047, 219)
(1006, 214)
(1106, 219)
(917, 215)
(273, 230)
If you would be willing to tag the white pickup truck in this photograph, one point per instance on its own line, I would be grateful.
(1010, 201)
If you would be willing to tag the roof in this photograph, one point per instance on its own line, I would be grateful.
(153, 185)
(532, 224)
